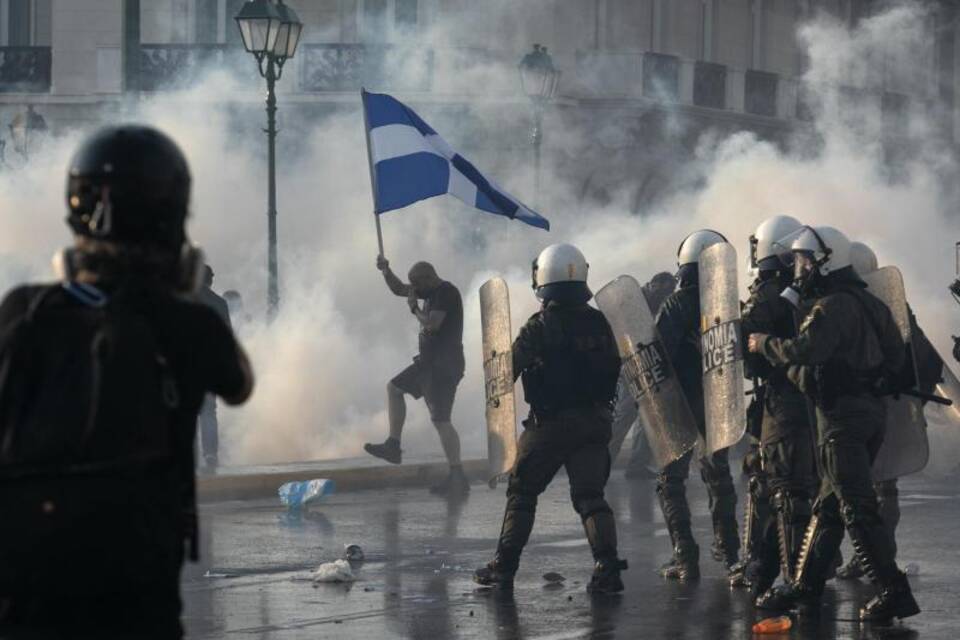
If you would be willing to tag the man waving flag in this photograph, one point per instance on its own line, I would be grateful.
(409, 161)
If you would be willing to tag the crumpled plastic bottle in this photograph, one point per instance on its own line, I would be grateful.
(300, 493)
(773, 625)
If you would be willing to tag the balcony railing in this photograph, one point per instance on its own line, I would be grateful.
(25, 69)
(347, 67)
(179, 66)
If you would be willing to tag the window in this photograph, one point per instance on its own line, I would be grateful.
(206, 22)
(384, 20)
(18, 23)
(231, 30)
(405, 15)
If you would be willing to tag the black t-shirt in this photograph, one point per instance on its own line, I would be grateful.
(201, 349)
(445, 345)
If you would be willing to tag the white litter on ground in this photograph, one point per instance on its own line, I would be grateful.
(336, 571)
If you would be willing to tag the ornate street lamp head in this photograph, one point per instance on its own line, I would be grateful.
(259, 23)
(538, 76)
(289, 34)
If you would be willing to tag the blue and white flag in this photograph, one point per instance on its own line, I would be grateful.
(410, 162)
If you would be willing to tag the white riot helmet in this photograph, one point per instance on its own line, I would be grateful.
(560, 272)
(766, 254)
(818, 252)
(863, 259)
(828, 248)
(694, 244)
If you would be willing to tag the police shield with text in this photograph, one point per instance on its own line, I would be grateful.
(102, 376)
(679, 324)
(847, 350)
(569, 365)
(781, 469)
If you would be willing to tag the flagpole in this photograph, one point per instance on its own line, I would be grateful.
(373, 178)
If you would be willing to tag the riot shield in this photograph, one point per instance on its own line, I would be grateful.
(624, 416)
(721, 348)
(949, 388)
(905, 449)
(498, 379)
(664, 412)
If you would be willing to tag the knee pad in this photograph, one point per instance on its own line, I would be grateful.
(669, 486)
(859, 513)
(752, 464)
(587, 506)
(793, 505)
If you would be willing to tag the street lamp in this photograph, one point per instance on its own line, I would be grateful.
(270, 31)
(538, 79)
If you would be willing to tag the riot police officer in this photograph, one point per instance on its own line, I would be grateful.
(98, 422)
(846, 350)
(786, 476)
(568, 360)
(929, 373)
(679, 325)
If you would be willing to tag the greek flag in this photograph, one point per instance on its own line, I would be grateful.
(409, 161)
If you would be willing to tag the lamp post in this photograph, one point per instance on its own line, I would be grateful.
(538, 79)
(270, 31)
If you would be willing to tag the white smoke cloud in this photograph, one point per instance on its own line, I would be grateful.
(323, 364)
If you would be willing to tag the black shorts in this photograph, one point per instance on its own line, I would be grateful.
(436, 386)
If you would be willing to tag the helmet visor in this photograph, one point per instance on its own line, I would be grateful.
(803, 264)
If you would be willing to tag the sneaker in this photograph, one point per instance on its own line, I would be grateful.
(389, 451)
(606, 576)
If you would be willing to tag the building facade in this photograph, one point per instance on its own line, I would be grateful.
(717, 63)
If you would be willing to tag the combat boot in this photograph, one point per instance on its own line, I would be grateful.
(851, 571)
(895, 600)
(496, 574)
(455, 484)
(723, 513)
(817, 554)
(606, 576)
(794, 596)
(389, 450)
(685, 564)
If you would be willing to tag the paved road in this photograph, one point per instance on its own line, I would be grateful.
(254, 580)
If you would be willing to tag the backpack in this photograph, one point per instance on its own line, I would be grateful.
(86, 441)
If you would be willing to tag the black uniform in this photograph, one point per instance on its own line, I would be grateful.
(679, 325)
(93, 538)
(786, 479)
(846, 347)
(569, 362)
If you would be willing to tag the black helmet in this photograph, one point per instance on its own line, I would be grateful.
(129, 184)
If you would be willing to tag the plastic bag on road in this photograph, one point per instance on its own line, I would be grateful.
(336, 571)
(297, 494)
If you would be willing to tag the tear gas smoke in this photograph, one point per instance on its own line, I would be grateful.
(323, 364)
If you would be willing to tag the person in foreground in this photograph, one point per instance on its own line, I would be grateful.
(102, 376)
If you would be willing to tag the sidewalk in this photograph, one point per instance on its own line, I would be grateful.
(349, 474)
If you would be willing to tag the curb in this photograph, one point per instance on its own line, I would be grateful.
(265, 485)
